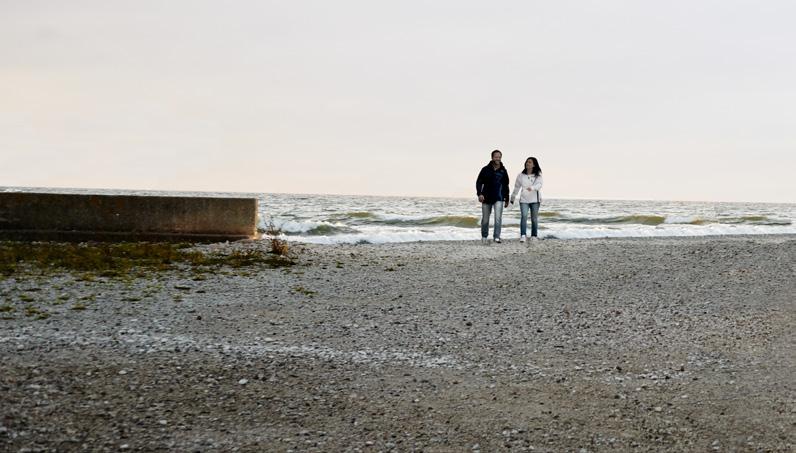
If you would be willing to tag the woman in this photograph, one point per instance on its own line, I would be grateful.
(528, 183)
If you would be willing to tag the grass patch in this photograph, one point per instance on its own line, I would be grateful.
(123, 260)
(304, 291)
(38, 313)
(279, 246)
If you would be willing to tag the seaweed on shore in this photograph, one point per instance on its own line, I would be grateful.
(124, 259)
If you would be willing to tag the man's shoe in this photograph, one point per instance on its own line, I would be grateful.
(522, 238)
(497, 240)
(534, 238)
(484, 240)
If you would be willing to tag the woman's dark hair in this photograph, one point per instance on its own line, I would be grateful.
(537, 170)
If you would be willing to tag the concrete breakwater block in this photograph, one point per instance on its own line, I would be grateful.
(82, 217)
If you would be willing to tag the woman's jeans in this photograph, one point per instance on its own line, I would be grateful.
(524, 208)
(486, 211)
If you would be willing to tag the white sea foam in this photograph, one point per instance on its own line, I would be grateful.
(387, 235)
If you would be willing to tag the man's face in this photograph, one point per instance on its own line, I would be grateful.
(496, 158)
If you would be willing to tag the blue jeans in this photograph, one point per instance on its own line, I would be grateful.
(524, 208)
(486, 212)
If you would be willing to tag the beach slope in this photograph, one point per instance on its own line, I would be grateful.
(624, 345)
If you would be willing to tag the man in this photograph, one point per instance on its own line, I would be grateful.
(492, 187)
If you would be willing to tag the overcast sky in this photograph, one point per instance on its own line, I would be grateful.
(619, 99)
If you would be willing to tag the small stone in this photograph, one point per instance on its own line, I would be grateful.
(243, 381)
(658, 409)
(124, 447)
(122, 372)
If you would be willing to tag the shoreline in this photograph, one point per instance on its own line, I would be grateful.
(627, 344)
(511, 241)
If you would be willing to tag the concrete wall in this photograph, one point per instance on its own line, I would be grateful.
(47, 216)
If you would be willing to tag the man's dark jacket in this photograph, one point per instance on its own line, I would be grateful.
(493, 184)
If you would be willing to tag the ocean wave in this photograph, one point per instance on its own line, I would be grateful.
(292, 228)
(637, 219)
(655, 220)
(329, 230)
(756, 220)
(460, 221)
(549, 214)
(743, 220)
(452, 220)
(354, 215)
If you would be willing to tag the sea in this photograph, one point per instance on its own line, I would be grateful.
(335, 219)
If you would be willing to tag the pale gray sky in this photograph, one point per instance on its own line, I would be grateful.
(621, 99)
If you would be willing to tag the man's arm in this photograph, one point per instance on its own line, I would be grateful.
(506, 186)
(479, 184)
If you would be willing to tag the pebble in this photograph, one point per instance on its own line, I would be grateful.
(243, 381)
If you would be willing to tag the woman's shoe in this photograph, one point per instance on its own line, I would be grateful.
(522, 238)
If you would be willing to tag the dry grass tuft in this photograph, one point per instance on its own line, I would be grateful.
(278, 245)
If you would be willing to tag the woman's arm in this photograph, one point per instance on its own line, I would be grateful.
(517, 186)
(537, 184)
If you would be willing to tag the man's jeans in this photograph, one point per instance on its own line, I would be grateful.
(486, 212)
(524, 208)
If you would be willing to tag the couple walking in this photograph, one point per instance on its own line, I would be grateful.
(492, 187)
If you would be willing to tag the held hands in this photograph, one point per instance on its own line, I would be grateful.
(481, 198)
(506, 204)
(512, 200)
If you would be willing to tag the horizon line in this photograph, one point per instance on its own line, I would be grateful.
(374, 195)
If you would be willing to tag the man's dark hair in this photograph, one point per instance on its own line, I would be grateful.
(496, 151)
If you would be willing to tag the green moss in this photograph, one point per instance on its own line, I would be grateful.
(304, 291)
(125, 260)
(7, 308)
(38, 313)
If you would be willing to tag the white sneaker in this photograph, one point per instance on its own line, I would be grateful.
(484, 241)
(534, 238)
(522, 238)
(497, 240)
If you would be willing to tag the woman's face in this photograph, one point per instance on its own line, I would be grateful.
(529, 164)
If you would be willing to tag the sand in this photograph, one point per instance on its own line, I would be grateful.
(584, 345)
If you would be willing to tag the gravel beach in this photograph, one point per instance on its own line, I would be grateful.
(666, 344)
